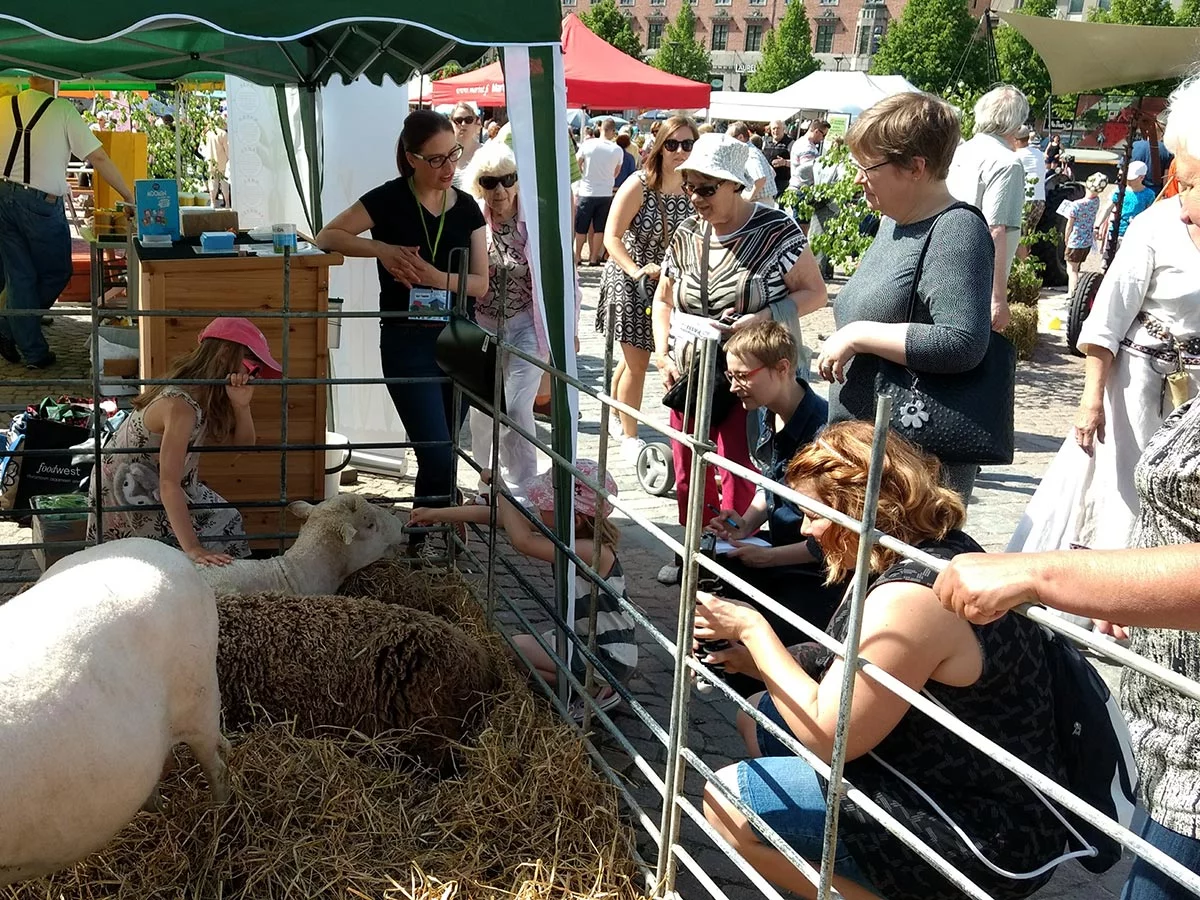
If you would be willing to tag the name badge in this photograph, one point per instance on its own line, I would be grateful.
(429, 303)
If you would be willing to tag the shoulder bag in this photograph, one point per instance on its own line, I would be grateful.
(960, 417)
(676, 397)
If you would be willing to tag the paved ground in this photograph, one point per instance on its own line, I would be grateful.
(1048, 387)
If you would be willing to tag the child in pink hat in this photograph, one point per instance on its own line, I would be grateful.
(615, 641)
(165, 420)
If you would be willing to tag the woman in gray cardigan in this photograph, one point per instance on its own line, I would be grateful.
(903, 147)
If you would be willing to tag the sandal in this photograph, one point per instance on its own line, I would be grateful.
(606, 698)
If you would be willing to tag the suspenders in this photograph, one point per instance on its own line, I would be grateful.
(23, 131)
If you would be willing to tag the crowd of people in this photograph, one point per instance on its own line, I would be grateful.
(684, 220)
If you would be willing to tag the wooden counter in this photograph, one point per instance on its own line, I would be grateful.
(244, 285)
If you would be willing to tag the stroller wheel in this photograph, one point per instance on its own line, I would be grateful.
(655, 472)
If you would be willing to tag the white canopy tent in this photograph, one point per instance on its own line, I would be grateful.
(840, 92)
(747, 106)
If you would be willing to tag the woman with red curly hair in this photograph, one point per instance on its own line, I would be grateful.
(993, 678)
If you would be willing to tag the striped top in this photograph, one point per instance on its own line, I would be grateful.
(1165, 727)
(745, 269)
(616, 642)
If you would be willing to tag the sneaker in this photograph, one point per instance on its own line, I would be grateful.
(670, 573)
(430, 551)
(616, 430)
(49, 360)
(606, 698)
(631, 449)
(8, 350)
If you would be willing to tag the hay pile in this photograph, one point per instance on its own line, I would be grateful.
(525, 817)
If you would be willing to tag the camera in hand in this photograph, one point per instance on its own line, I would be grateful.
(709, 583)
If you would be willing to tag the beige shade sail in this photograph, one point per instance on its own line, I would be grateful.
(1092, 56)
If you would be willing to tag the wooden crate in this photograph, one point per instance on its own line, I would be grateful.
(245, 286)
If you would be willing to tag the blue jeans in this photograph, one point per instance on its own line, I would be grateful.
(407, 351)
(1146, 882)
(35, 263)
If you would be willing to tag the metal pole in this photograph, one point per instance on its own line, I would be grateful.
(693, 525)
(493, 496)
(866, 541)
(456, 395)
(283, 387)
(589, 680)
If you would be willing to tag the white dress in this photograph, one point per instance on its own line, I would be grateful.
(1092, 501)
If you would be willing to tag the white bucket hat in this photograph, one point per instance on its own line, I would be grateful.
(719, 156)
(1137, 169)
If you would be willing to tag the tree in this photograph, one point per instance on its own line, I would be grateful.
(932, 45)
(1020, 64)
(1136, 12)
(610, 23)
(1189, 14)
(787, 53)
(680, 53)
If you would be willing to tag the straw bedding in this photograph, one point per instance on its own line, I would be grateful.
(523, 817)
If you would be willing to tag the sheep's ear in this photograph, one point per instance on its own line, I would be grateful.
(300, 509)
(347, 532)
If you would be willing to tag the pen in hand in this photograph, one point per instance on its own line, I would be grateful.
(728, 520)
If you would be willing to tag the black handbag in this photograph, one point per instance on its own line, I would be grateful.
(723, 398)
(467, 353)
(961, 417)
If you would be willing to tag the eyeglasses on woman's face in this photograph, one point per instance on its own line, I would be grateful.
(464, 120)
(491, 182)
(704, 190)
(671, 145)
(743, 378)
(864, 170)
(440, 159)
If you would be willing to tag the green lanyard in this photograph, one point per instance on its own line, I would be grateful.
(433, 245)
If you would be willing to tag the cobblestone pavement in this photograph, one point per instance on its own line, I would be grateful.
(1048, 387)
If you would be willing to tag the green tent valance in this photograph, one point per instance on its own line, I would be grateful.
(306, 42)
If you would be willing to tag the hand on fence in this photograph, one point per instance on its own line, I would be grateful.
(423, 515)
(981, 588)
(239, 390)
(1119, 632)
(718, 618)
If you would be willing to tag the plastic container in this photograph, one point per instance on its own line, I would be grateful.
(337, 457)
(68, 523)
(283, 235)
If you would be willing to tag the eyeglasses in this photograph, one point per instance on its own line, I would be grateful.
(464, 120)
(491, 182)
(863, 170)
(702, 190)
(440, 159)
(253, 366)
(743, 377)
(671, 145)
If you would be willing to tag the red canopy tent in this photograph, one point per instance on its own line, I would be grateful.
(598, 76)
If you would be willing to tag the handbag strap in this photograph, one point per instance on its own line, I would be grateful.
(916, 281)
(704, 269)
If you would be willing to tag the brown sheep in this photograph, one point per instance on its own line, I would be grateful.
(352, 663)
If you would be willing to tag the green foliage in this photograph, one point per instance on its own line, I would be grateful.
(449, 70)
(196, 114)
(1189, 14)
(787, 53)
(610, 23)
(927, 45)
(840, 240)
(1019, 62)
(963, 98)
(680, 53)
(1136, 12)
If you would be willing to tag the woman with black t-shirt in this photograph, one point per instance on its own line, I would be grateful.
(416, 222)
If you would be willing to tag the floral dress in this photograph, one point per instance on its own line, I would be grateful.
(646, 242)
(131, 479)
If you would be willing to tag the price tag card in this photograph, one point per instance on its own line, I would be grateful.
(430, 303)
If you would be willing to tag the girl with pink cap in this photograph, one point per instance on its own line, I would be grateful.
(168, 419)
(615, 644)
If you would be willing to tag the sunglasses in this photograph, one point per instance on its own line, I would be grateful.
(671, 145)
(491, 182)
(440, 159)
(702, 190)
(464, 120)
(253, 366)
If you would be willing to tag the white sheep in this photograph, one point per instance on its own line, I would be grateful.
(105, 664)
(339, 536)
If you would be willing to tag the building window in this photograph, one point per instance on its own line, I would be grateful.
(829, 2)
(568, 2)
(869, 37)
(722, 2)
(824, 41)
(720, 35)
(758, 2)
(654, 32)
(1075, 7)
(754, 35)
(658, 2)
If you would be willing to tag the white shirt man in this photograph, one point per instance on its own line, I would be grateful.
(805, 150)
(38, 136)
(758, 170)
(600, 161)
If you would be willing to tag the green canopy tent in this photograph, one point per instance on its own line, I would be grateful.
(308, 43)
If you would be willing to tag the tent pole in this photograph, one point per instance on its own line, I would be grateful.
(313, 151)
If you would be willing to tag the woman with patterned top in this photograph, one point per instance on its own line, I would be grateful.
(166, 424)
(645, 213)
(1142, 340)
(493, 179)
(737, 263)
(994, 678)
(1081, 228)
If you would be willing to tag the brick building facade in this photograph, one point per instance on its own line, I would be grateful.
(845, 32)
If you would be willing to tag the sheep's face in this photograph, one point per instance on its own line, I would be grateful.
(361, 532)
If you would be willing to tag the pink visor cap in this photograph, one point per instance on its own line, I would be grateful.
(244, 332)
(541, 490)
